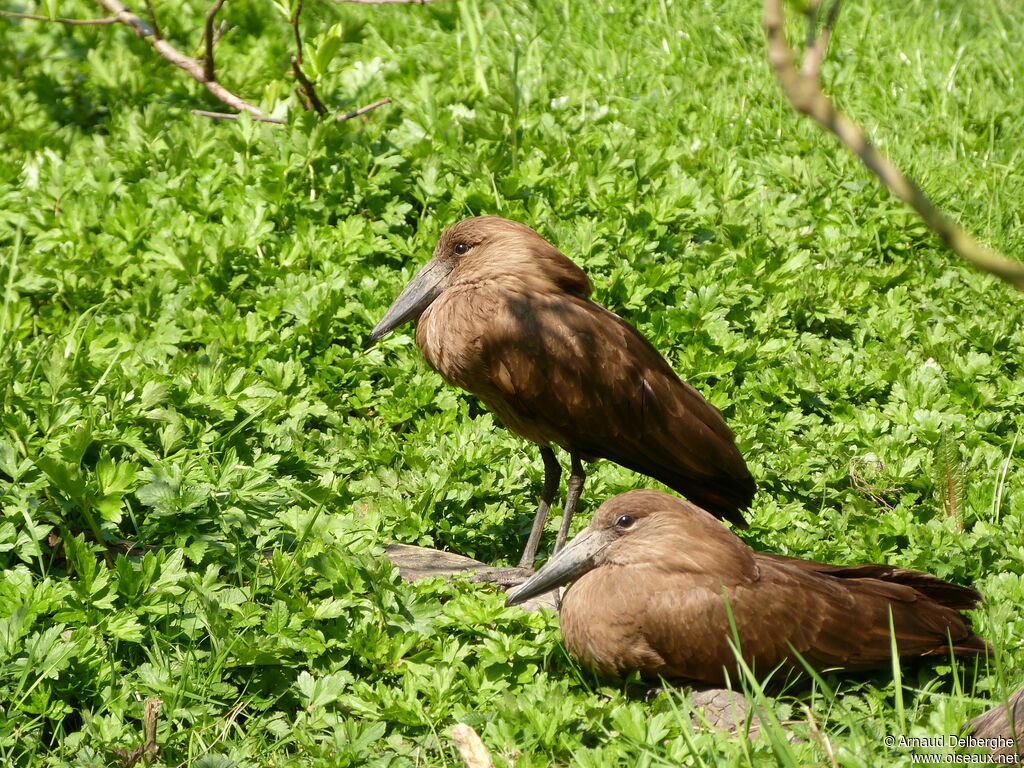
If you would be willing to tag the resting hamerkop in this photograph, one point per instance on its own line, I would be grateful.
(653, 574)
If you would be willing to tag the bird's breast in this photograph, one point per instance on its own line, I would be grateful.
(460, 334)
(489, 339)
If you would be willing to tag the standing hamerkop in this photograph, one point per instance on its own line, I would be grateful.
(506, 316)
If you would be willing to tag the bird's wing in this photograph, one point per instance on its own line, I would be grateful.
(845, 620)
(830, 622)
(600, 389)
(939, 590)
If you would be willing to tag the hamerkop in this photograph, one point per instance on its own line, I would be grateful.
(506, 316)
(653, 575)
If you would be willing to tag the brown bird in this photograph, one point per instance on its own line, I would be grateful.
(504, 315)
(653, 574)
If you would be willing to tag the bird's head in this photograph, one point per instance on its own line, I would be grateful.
(478, 249)
(649, 528)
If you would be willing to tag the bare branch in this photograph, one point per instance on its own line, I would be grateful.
(194, 67)
(234, 116)
(82, 22)
(805, 93)
(362, 110)
(210, 36)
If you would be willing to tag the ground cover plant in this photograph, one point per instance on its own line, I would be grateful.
(200, 463)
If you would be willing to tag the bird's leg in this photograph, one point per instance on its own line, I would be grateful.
(572, 494)
(552, 474)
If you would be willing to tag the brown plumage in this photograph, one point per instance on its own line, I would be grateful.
(650, 572)
(504, 315)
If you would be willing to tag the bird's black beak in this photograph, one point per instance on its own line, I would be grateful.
(579, 556)
(416, 297)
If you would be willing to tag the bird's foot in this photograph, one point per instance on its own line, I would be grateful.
(506, 577)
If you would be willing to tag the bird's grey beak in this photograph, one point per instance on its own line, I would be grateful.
(578, 557)
(416, 297)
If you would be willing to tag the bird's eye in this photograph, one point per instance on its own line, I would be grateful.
(461, 248)
(624, 522)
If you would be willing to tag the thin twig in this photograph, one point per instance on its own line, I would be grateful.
(303, 99)
(152, 18)
(817, 48)
(194, 67)
(295, 27)
(210, 37)
(306, 86)
(806, 95)
(362, 110)
(234, 116)
(59, 20)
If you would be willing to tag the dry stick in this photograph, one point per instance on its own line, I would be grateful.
(210, 36)
(362, 110)
(193, 67)
(34, 17)
(805, 93)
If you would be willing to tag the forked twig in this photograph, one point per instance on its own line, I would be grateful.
(204, 70)
(805, 93)
(194, 67)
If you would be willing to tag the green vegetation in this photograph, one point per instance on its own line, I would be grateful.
(200, 464)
